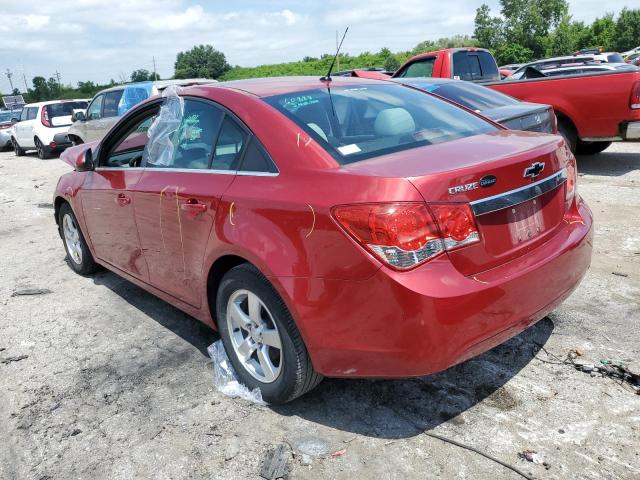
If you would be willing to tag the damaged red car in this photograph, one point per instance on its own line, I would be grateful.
(342, 228)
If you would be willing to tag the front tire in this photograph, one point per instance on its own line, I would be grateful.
(79, 256)
(16, 148)
(260, 337)
(591, 148)
(43, 151)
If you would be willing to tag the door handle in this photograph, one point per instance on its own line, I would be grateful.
(193, 207)
(123, 200)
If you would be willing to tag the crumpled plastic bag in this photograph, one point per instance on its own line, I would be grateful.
(225, 378)
(159, 150)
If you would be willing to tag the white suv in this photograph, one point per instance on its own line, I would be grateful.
(41, 124)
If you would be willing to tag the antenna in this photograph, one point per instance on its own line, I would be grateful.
(327, 77)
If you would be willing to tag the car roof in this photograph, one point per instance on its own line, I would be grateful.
(266, 87)
(51, 102)
(161, 84)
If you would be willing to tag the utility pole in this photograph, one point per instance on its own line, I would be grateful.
(9, 75)
(58, 77)
(154, 67)
(26, 88)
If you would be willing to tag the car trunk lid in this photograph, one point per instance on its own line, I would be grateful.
(512, 180)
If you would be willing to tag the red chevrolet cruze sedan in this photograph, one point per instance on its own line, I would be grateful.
(343, 228)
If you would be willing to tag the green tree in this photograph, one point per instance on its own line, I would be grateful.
(201, 61)
(489, 31)
(391, 64)
(512, 53)
(55, 89)
(40, 90)
(143, 75)
(602, 33)
(627, 32)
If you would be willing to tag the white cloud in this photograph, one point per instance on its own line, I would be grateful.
(98, 40)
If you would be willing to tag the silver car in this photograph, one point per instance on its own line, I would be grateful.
(110, 104)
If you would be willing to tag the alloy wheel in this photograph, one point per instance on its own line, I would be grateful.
(254, 336)
(72, 239)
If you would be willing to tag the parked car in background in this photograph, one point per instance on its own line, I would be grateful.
(343, 228)
(555, 62)
(39, 124)
(7, 119)
(593, 109)
(609, 57)
(630, 52)
(575, 69)
(107, 106)
(631, 58)
(500, 108)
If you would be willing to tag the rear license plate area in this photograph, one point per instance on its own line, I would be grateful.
(525, 221)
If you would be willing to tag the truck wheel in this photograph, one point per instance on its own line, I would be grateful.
(260, 337)
(591, 148)
(43, 150)
(568, 131)
(16, 148)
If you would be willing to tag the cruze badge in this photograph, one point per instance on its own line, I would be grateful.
(463, 188)
(534, 170)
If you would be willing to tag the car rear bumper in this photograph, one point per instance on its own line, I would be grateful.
(402, 324)
(5, 138)
(632, 131)
(60, 141)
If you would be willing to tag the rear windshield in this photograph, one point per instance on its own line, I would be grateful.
(615, 58)
(468, 94)
(64, 109)
(356, 123)
(474, 66)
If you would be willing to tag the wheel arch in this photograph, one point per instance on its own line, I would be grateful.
(217, 270)
(57, 204)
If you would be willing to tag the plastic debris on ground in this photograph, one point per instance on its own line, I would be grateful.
(225, 378)
(276, 463)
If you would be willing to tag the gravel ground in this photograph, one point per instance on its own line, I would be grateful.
(117, 384)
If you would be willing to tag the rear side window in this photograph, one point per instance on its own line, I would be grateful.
(229, 146)
(364, 121)
(256, 159)
(474, 66)
(189, 145)
(420, 68)
(111, 101)
(32, 113)
(472, 96)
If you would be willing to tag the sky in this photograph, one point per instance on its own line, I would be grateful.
(103, 39)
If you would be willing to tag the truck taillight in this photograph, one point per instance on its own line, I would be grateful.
(44, 117)
(572, 182)
(404, 235)
(634, 100)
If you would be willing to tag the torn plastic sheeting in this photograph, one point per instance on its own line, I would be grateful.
(159, 150)
(225, 378)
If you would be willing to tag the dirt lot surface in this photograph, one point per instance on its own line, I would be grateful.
(99, 379)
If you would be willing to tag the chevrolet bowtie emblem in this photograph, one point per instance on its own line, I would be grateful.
(533, 170)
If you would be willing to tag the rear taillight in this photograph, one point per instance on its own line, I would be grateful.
(634, 100)
(553, 119)
(2, 127)
(571, 189)
(44, 117)
(404, 235)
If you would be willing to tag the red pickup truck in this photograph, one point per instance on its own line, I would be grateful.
(593, 109)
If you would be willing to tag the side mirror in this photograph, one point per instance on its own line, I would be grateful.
(84, 162)
(78, 117)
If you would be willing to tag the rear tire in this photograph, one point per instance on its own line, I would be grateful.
(16, 148)
(79, 256)
(568, 131)
(289, 371)
(43, 151)
(591, 148)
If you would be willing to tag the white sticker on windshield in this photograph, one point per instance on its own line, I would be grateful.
(349, 149)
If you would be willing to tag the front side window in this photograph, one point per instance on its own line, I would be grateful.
(420, 68)
(187, 144)
(130, 148)
(111, 101)
(94, 112)
(356, 123)
(32, 113)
